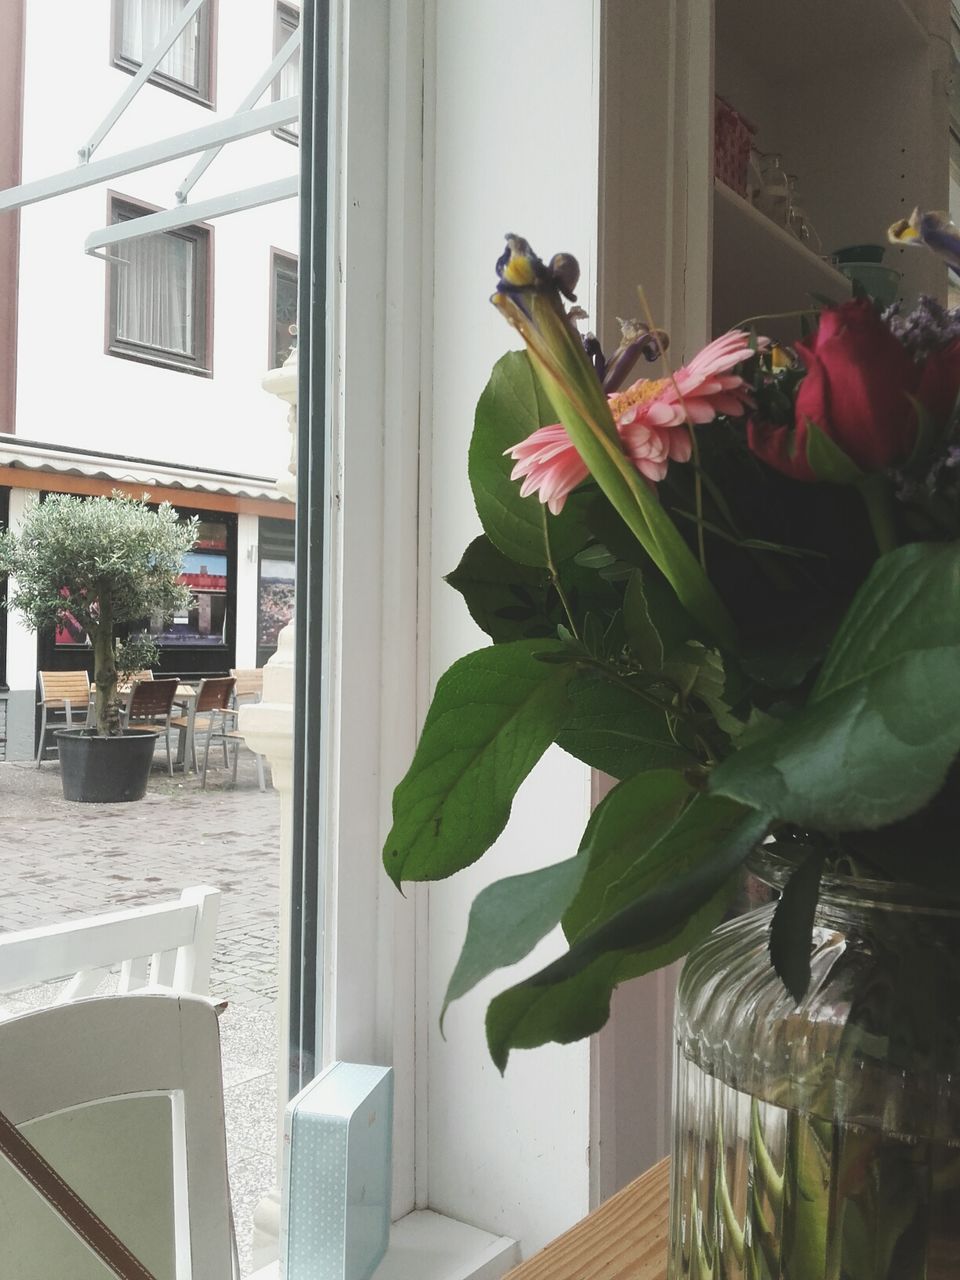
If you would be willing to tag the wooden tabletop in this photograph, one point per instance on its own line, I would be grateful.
(625, 1239)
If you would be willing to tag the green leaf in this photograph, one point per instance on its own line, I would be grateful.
(570, 998)
(493, 715)
(508, 601)
(508, 919)
(569, 1005)
(882, 725)
(827, 460)
(792, 927)
(512, 406)
(642, 634)
(652, 830)
(611, 730)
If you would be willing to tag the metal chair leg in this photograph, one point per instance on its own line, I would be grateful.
(43, 737)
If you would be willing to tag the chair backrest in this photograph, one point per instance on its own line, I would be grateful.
(215, 692)
(169, 945)
(152, 698)
(123, 1096)
(61, 686)
(249, 686)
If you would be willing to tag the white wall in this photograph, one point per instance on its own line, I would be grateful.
(69, 391)
(526, 162)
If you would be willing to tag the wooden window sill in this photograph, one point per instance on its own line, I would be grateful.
(625, 1239)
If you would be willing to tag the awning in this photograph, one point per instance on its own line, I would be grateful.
(28, 464)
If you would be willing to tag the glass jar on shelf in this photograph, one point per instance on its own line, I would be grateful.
(774, 197)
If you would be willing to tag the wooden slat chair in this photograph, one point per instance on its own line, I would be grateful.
(167, 945)
(249, 689)
(64, 702)
(213, 702)
(249, 686)
(151, 707)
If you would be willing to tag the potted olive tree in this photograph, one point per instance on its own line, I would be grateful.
(100, 563)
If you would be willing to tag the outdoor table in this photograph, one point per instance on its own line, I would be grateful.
(185, 697)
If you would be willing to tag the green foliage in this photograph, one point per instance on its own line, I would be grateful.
(882, 724)
(493, 715)
(105, 562)
(511, 407)
(745, 652)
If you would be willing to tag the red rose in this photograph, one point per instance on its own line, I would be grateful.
(859, 390)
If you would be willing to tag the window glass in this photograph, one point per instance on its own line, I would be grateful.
(284, 292)
(155, 292)
(276, 584)
(203, 622)
(140, 25)
(287, 83)
(159, 294)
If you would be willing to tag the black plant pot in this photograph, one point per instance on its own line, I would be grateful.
(96, 770)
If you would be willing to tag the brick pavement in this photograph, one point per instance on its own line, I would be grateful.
(59, 859)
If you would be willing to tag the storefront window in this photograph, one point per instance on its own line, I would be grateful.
(275, 594)
(205, 573)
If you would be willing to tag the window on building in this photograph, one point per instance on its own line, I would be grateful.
(287, 83)
(187, 67)
(160, 295)
(275, 583)
(283, 306)
(205, 572)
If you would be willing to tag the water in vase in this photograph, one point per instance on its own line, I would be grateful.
(761, 1192)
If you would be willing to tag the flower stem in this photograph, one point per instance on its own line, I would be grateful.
(554, 576)
(876, 493)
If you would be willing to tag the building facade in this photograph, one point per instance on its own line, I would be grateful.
(138, 367)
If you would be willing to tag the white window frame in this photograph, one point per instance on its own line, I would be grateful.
(382, 953)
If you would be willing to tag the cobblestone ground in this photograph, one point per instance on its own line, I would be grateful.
(60, 859)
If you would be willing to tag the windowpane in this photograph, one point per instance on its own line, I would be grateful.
(205, 572)
(287, 83)
(187, 66)
(284, 309)
(143, 22)
(155, 293)
(159, 294)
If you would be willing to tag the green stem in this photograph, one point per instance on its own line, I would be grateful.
(555, 577)
(876, 492)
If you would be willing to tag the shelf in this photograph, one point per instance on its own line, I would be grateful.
(759, 268)
(828, 32)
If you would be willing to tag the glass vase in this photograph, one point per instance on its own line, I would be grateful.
(821, 1141)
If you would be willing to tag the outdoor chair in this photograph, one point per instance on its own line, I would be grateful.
(248, 690)
(167, 945)
(151, 707)
(123, 1097)
(213, 700)
(249, 686)
(64, 702)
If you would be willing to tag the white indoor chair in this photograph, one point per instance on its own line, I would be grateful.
(168, 945)
(123, 1096)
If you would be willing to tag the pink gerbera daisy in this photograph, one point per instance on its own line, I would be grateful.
(651, 417)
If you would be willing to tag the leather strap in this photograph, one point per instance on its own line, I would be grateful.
(78, 1215)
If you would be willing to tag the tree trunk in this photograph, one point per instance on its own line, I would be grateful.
(105, 674)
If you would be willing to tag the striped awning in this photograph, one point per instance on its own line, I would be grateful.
(23, 463)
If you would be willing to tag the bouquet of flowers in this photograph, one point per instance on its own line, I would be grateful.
(735, 587)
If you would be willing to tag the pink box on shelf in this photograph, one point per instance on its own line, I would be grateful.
(732, 139)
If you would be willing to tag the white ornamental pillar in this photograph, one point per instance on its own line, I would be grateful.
(267, 727)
